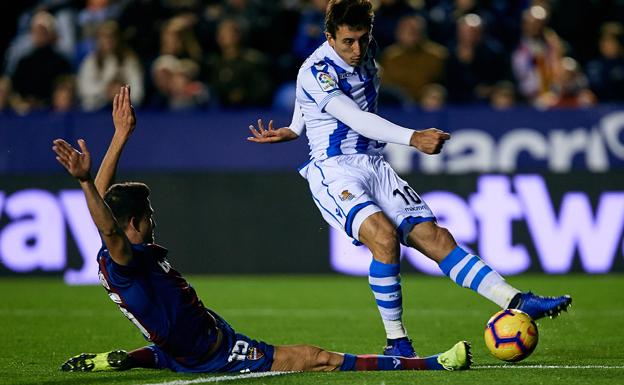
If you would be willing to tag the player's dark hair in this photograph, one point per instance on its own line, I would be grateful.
(356, 14)
(127, 200)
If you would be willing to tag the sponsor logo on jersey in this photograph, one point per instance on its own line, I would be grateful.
(345, 75)
(254, 354)
(326, 81)
(346, 196)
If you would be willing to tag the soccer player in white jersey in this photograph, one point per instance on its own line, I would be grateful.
(355, 189)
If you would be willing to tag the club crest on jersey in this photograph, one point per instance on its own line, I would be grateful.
(254, 354)
(326, 82)
(346, 196)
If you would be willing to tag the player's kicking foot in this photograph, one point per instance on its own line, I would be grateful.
(458, 357)
(538, 307)
(401, 347)
(91, 362)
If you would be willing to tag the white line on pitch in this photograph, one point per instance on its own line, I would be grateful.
(230, 377)
(548, 367)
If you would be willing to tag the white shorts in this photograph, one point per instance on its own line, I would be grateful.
(347, 189)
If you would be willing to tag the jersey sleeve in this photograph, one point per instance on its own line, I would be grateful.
(297, 124)
(319, 84)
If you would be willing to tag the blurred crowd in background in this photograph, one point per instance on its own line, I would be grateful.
(63, 55)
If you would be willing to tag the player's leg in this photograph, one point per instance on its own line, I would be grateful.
(340, 191)
(416, 227)
(113, 360)
(380, 236)
(465, 269)
(470, 271)
(304, 358)
(144, 357)
(309, 358)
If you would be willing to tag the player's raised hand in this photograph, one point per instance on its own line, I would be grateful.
(124, 118)
(77, 163)
(270, 135)
(429, 141)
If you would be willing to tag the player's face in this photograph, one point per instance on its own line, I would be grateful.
(350, 43)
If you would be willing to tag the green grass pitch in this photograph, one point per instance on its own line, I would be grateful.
(43, 322)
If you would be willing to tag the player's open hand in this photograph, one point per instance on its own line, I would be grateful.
(124, 118)
(77, 163)
(270, 135)
(429, 141)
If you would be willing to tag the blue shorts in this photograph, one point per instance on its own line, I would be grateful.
(238, 354)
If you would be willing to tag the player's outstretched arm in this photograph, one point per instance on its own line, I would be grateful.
(343, 108)
(124, 121)
(271, 135)
(78, 164)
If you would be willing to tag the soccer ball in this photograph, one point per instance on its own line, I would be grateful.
(511, 335)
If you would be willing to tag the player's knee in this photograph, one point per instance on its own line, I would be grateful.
(385, 245)
(380, 236)
(324, 360)
(322, 357)
(442, 235)
(432, 240)
(428, 233)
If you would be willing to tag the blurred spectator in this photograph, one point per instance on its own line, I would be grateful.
(64, 94)
(162, 74)
(64, 12)
(569, 88)
(310, 31)
(535, 59)
(186, 92)
(387, 17)
(36, 72)
(503, 95)
(65, 31)
(414, 60)
(606, 73)
(177, 39)
(94, 13)
(239, 75)
(433, 97)
(111, 62)
(476, 62)
(177, 85)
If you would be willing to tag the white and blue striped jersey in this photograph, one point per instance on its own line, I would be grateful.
(323, 76)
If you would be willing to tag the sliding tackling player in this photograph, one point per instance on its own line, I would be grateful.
(185, 335)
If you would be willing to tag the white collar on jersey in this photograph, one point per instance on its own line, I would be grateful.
(331, 53)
